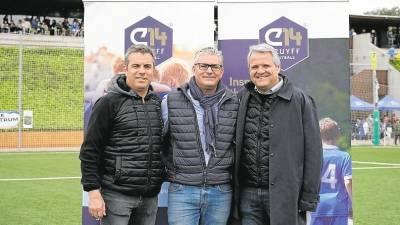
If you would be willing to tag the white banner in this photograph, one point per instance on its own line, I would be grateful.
(174, 29)
(9, 119)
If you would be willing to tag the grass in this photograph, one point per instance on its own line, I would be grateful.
(395, 63)
(376, 191)
(40, 202)
(52, 85)
(58, 202)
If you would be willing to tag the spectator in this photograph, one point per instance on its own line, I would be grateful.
(392, 52)
(65, 27)
(360, 130)
(13, 27)
(396, 131)
(335, 206)
(34, 24)
(5, 19)
(390, 36)
(373, 37)
(75, 26)
(366, 130)
(53, 27)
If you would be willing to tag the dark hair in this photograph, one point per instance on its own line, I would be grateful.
(139, 49)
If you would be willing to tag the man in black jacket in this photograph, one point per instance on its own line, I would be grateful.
(120, 156)
(278, 147)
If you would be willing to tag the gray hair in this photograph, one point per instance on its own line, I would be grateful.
(264, 48)
(139, 49)
(210, 51)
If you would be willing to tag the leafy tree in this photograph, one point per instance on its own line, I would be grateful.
(395, 11)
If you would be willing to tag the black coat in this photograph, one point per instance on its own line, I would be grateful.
(122, 145)
(295, 155)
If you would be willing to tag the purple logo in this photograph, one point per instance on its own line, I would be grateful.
(289, 39)
(152, 33)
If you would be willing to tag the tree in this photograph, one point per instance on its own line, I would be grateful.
(395, 11)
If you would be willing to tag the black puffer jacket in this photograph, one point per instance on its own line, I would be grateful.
(122, 145)
(254, 166)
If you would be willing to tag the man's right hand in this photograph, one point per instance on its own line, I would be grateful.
(97, 206)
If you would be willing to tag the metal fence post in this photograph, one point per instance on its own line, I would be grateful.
(20, 93)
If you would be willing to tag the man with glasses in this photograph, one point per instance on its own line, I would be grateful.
(278, 147)
(200, 119)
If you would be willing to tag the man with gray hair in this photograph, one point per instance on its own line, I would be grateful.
(199, 122)
(278, 153)
(120, 155)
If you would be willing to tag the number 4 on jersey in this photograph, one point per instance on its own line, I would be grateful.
(329, 176)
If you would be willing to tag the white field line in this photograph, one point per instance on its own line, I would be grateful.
(38, 153)
(39, 178)
(376, 167)
(377, 163)
(8, 159)
(385, 165)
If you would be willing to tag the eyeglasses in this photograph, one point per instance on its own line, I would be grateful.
(214, 67)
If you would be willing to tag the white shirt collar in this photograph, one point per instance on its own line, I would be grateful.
(273, 90)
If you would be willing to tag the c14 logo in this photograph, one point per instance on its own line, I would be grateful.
(148, 36)
(152, 33)
(287, 34)
(289, 39)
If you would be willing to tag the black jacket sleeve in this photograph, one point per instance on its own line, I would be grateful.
(96, 136)
(312, 157)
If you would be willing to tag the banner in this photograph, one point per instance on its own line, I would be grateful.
(174, 29)
(311, 39)
(9, 119)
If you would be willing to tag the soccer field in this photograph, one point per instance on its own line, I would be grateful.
(376, 185)
(44, 188)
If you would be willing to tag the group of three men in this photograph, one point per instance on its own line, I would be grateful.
(253, 158)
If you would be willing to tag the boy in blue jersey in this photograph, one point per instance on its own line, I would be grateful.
(336, 179)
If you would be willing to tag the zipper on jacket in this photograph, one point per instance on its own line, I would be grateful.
(149, 132)
(258, 147)
(200, 147)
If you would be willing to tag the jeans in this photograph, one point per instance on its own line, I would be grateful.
(194, 205)
(330, 220)
(254, 206)
(125, 209)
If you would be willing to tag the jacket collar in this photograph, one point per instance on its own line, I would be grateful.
(228, 93)
(120, 86)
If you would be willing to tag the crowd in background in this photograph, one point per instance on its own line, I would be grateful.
(389, 127)
(43, 25)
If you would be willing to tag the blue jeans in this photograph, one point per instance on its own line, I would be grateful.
(125, 209)
(254, 206)
(330, 220)
(194, 205)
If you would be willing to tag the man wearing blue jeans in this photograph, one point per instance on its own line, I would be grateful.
(200, 119)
